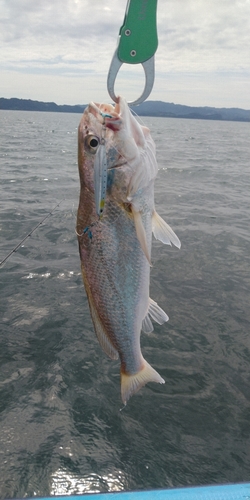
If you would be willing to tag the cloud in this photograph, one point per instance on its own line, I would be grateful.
(60, 18)
(77, 38)
(58, 33)
(207, 36)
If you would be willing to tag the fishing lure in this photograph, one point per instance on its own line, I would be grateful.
(101, 171)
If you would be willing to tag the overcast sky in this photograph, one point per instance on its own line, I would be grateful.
(60, 50)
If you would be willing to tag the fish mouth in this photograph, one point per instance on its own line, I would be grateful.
(102, 111)
(118, 165)
(107, 115)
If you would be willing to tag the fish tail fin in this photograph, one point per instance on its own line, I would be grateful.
(130, 384)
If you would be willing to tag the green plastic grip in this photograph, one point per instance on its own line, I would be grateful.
(138, 34)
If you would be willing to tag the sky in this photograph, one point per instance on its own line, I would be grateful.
(60, 51)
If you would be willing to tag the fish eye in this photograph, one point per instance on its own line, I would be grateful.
(92, 143)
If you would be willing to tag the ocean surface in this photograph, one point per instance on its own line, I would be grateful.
(63, 428)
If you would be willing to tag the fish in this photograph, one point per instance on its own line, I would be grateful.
(115, 221)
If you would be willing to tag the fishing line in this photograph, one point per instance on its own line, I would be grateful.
(29, 234)
(123, 408)
(139, 119)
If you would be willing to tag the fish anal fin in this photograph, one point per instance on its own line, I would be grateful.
(156, 313)
(141, 234)
(130, 384)
(163, 232)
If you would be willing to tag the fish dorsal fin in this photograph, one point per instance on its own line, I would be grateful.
(146, 168)
(156, 313)
(131, 125)
(132, 383)
(163, 232)
(103, 339)
(140, 232)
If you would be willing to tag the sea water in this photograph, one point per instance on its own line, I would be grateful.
(61, 430)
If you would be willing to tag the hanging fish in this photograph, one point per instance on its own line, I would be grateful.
(115, 221)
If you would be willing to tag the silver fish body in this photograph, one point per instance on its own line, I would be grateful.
(115, 249)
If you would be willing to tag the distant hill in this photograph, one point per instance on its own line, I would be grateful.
(160, 108)
(148, 108)
(29, 105)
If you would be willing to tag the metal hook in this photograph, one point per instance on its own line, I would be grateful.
(137, 44)
(149, 70)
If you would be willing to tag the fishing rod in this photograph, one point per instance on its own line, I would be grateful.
(29, 234)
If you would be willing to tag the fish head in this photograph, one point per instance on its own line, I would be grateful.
(124, 139)
(93, 132)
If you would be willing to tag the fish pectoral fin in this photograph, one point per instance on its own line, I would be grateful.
(141, 234)
(163, 232)
(130, 384)
(156, 313)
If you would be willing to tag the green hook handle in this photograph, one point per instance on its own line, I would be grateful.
(138, 34)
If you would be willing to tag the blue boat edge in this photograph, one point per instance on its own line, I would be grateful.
(234, 491)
